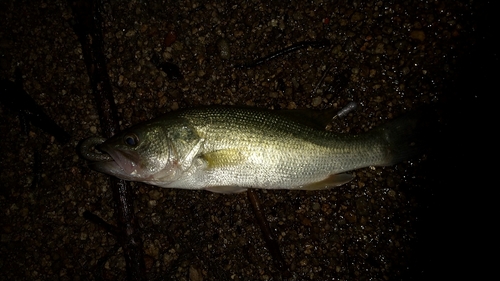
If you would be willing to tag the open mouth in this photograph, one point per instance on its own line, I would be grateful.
(108, 167)
(108, 159)
(120, 163)
(87, 149)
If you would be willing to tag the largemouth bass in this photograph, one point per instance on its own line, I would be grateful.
(226, 149)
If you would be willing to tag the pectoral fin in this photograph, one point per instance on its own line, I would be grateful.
(224, 158)
(330, 181)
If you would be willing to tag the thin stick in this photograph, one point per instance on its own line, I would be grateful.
(88, 27)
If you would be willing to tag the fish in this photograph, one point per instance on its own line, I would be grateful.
(231, 149)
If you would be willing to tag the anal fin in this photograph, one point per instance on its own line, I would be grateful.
(330, 181)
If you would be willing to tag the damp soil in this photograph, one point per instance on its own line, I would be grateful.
(390, 57)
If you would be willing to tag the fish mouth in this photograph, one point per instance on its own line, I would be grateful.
(121, 164)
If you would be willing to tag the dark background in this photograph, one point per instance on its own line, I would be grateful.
(423, 219)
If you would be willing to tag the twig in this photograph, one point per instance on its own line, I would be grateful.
(87, 24)
(282, 52)
(322, 79)
(271, 242)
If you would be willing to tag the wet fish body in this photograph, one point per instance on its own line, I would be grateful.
(227, 149)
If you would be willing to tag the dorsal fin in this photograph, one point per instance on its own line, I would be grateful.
(311, 118)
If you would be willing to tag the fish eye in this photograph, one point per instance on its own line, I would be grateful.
(131, 139)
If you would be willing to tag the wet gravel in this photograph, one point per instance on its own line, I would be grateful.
(390, 57)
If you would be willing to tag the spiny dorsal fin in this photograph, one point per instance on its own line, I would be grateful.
(311, 118)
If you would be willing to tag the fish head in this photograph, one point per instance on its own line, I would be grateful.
(141, 153)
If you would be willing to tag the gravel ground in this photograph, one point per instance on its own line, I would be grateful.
(390, 57)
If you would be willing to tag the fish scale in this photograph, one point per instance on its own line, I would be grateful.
(280, 153)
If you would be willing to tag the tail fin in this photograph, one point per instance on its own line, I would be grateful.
(407, 136)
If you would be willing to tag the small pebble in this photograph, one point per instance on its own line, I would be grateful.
(317, 101)
(417, 35)
(223, 47)
(170, 38)
(316, 206)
